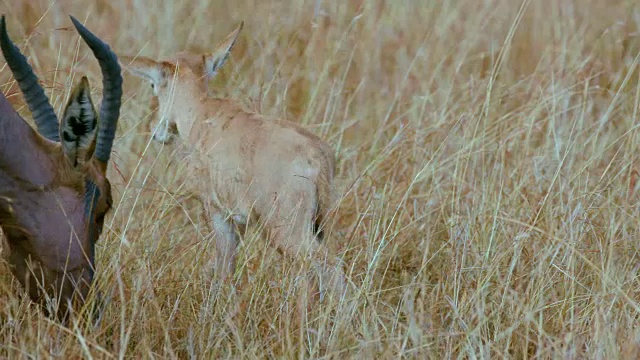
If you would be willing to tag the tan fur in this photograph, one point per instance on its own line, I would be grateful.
(242, 165)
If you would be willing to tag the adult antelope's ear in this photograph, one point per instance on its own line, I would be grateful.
(79, 120)
(215, 60)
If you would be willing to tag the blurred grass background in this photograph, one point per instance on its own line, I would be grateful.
(487, 167)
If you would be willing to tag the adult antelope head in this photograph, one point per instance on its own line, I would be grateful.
(54, 192)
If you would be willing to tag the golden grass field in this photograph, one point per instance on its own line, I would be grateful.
(487, 186)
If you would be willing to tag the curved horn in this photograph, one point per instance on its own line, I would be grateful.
(111, 91)
(38, 103)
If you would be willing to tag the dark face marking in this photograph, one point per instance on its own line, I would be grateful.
(91, 196)
(94, 215)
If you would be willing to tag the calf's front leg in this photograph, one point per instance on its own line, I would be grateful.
(227, 241)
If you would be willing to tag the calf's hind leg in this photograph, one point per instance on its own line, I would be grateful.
(291, 227)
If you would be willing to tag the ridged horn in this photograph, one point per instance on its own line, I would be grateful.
(43, 115)
(111, 91)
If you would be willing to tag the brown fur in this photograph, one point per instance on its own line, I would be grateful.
(54, 195)
(49, 191)
(243, 165)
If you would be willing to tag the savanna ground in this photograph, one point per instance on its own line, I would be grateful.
(486, 189)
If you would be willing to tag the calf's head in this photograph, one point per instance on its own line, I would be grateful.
(54, 193)
(181, 79)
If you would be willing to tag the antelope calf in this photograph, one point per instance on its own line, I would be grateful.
(242, 166)
(54, 193)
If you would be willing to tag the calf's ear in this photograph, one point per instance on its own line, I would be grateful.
(214, 61)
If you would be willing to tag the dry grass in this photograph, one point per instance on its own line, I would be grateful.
(487, 167)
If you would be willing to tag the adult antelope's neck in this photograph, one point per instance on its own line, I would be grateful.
(22, 155)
